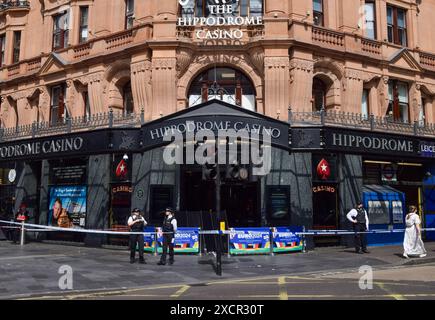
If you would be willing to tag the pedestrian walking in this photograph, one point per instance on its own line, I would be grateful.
(169, 229)
(412, 243)
(136, 223)
(360, 220)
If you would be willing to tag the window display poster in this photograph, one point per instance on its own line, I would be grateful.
(67, 206)
(397, 211)
(278, 202)
(378, 212)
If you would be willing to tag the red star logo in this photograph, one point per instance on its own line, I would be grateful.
(121, 169)
(323, 170)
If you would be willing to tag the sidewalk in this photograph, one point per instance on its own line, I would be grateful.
(34, 268)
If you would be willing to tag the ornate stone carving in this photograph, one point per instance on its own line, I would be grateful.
(299, 64)
(257, 58)
(184, 58)
(276, 62)
(164, 63)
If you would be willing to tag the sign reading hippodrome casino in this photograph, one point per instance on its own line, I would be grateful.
(222, 14)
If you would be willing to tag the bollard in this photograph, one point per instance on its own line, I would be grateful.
(155, 244)
(22, 233)
(199, 242)
(228, 253)
(271, 241)
(304, 242)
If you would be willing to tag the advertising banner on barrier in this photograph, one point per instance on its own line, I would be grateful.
(249, 240)
(149, 240)
(285, 239)
(67, 206)
(186, 240)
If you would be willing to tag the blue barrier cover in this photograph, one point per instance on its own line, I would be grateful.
(149, 240)
(186, 240)
(249, 240)
(285, 239)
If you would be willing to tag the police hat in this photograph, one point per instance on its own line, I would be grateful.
(170, 210)
(136, 210)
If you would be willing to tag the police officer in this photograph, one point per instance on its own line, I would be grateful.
(136, 223)
(360, 220)
(169, 228)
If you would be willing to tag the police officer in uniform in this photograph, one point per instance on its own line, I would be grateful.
(360, 221)
(169, 228)
(136, 223)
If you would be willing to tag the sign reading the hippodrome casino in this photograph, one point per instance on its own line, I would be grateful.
(222, 14)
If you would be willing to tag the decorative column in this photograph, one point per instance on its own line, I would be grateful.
(415, 105)
(383, 96)
(44, 105)
(95, 93)
(276, 75)
(352, 91)
(301, 85)
(141, 86)
(164, 91)
(71, 102)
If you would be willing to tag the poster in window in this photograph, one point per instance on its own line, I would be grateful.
(397, 211)
(278, 202)
(67, 206)
(378, 212)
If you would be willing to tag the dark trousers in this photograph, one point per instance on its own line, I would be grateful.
(167, 242)
(360, 238)
(136, 239)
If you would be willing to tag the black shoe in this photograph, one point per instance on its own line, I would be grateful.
(142, 262)
(366, 251)
(160, 263)
(132, 261)
(359, 252)
(171, 262)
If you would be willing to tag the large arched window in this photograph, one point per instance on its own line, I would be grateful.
(224, 84)
(200, 8)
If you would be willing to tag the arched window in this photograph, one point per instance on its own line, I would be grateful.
(319, 94)
(224, 84)
(127, 98)
(201, 8)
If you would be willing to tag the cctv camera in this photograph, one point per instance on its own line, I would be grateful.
(125, 157)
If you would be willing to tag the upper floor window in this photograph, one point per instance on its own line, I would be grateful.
(398, 107)
(370, 19)
(318, 18)
(365, 104)
(129, 13)
(58, 112)
(396, 20)
(319, 95)
(87, 106)
(2, 47)
(201, 8)
(224, 84)
(127, 97)
(83, 32)
(60, 31)
(16, 47)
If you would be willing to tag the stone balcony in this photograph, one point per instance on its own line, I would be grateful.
(14, 4)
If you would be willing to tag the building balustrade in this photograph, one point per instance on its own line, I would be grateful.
(427, 60)
(328, 37)
(11, 4)
(110, 119)
(360, 121)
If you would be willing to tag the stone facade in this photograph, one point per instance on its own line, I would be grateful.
(281, 58)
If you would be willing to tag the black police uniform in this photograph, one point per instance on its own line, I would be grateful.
(360, 226)
(168, 236)
(137, 239)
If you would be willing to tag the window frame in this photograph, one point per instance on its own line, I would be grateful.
(62, 32)
(395, 29)
(129, 14)
(375, 29)
(319, 13)
(394, 104)
(61, 110)
(83, 26)
(366, 93)
(16, 49)
(319, 86)
(2, 49)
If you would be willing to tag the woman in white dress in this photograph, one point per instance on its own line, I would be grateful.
(412, 243)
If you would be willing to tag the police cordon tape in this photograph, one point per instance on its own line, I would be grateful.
(41, 228)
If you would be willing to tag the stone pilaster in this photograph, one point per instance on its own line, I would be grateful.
(95, 86)
(352, 91)
(141, 86)
(276, 87)
(301, 85)
(164, 91)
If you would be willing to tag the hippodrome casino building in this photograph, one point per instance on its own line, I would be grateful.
(88, 89)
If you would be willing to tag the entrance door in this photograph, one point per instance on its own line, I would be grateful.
(325, 212)
(239, 201)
